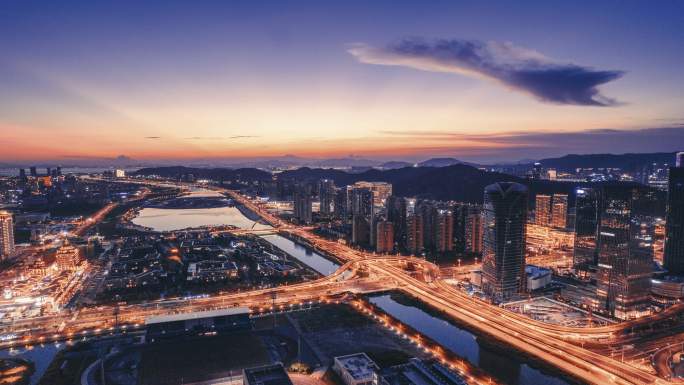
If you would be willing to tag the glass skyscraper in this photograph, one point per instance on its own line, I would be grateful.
(503, 259)
(625, 236)
(587, 216)
(674, 226)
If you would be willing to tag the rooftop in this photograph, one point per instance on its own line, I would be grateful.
(358, 365)
(195, 315)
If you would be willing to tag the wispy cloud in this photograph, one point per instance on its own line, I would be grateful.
(243, 136)
(518, 145)
(221, 137)
(516, 67)
(153, 137)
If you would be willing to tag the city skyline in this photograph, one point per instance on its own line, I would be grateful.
(178, 81)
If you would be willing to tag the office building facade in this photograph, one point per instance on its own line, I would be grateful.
(559, 211)
(503, 259)
(587, 217)
(542, 210)
(673, 257)
(625, 257)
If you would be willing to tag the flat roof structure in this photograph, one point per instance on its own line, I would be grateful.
(355, 368)
(157, 319)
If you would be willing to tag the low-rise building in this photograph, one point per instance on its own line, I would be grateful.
(196, 323)
(418, 372)
(667, 290)
(537, 277)
(355, 369)
(212, 271)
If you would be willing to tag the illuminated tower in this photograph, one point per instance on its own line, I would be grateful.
(626, 235)
(559, 211)
(414, 228)
(503, 259)
(542, 210)
(6, 235)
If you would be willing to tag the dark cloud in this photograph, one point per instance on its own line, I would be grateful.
(153, 137)
(519, 68)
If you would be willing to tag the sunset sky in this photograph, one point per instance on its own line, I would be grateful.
(377, 79)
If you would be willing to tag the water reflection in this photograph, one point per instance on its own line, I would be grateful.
(502, 365)
(39, 355)
(303, 254)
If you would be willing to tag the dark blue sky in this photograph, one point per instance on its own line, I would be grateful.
(316, 78)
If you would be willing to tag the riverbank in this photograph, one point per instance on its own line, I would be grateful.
(482, 350)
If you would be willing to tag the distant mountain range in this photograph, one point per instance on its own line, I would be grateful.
(458, 182)
(627, 162)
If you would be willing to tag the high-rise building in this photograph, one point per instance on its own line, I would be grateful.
(626, 236)
(381, 190)
(587, 218)
(559, 212)
(460, 213)
(341, 206)
(474, 229)
(362, 217)
(503, 260)
(385, 237)
(426, 209)
(67, 258)
(443, 230)
(395, 208)
(302, 203)
(6, 235)
(414, 228)
(33, 171)
(414, 234)
(542, 210)
(326, 195)
(674, 222)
